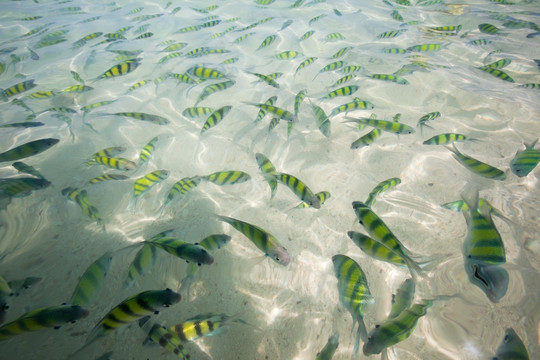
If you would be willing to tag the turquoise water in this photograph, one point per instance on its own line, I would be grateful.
(293, 309)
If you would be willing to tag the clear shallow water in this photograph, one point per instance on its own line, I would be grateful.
(295, 308)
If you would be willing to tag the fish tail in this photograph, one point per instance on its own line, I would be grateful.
(361, 333)
(414, 268)
(185, 287)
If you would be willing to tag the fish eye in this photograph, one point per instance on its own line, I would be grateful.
(506, 338)
(157, 312)
(5, 307)
(73, 321)
(277, 258)
(377, 326)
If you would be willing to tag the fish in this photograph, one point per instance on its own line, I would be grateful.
(447, 138)
(213, 88)
(183, 250)
(476, 166)
(388, 126)
(479, 42)
(403, 298)
(85, 109)
(425, 47)
(131, 309)
(356, 104)
(123, 68)
(499, 64)
(488, 28)
(382, 234)
(323, 123)
(267, 168)
(193, 112)
(207, 324)
(461, 205)
(366, 139)
(497, 73)
(144, 259)
(181, 187)
(354, 293)
(77, 89)
(525, 161)
(154, 119)
(307, 35)
(80, 197)
(377, 250)
(21, 187)
(300, 189)
(395, 330)
(511, 347)
(390, 77)
(215, 118)
(305, 63)
(115, 163)
(288, 55)
(203, 72)
(27, 169)
(147, 151)
(107, 152)
(168, 340)
(331, 67)
(28, 149)
(382, 186)
(262, 113)
(43, 318)
(343, 91)
(390, 34)
(91, 281)
(327, 353)
(266, 79)
(321, 195)
(106, 177)
(227, 177)
(175, 47)
(17, 89)
(298, 101)
(335, 36)
(265, 241)
(169, 56)
(267, 41)
(42, 94)
(277, 111)
(144, 183)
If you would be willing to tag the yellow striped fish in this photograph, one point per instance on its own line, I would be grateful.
(354, 292)
(40, 319)
(147, 151)
(227, 177)
(120, 69)
(144, 183)
(168, 340)
(299, 189)
(115, 163)
(477, 166)
(131, 309)
(207, 324)
(80, 197)
(29, 149)
(90, 282)
(144, 259)
(183, 250)
(265, 241)
(215, 118)
(382, 186)
(267, 169)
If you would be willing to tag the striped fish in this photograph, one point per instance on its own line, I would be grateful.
(376, 249)
(213, 88)
(525, 161)
(267, 169)
(446, 138)
(155, 119)
(354, 292)
(343, 91)
(168, 339)
(91, 281)
(181, 187)
(131, 309)
(356, 104)
(321, 195)
(279, 112)
(183, 250)
(382, 186)
(107, 152)
(194, 112)
(21, 187)
(144, 259)
(28, 149)
(27, 169)
(403, 298)
(203, 72)
(227, 177)
(299, 189)
(388, 126)
(144, 183)
(511, 347)
(477, 166)
(120, 69)
(80, 197)
(147, 151)
(381, 233)
(40, 319)
(116, 163)
(395, 330)
(323, 123)
(265, 241)
(215, 118)
(263, 112)
(207, 324)
(106, 177)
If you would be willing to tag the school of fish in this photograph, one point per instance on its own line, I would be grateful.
(164, 119)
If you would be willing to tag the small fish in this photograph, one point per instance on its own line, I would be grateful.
(382, 234)
(213, 88)
(144, 183)
(266, 167)
(131, 309)
(168, 57)
(288, 55)
(147, 151)
(42, 94)
(388, 126)
(425, 47)
(279, 112)
(21, 187)
(343, 91)
(394, 51)
(499, 64)
(40, 319)
(144, 259)
(331, 67)
(29, 149)
(194, 112)
(446, 138)
(168, 340)
(366, 139)
(80, 197)
(155, 119)
(395, 330)
(265, 241)
(397, 16)
(77, 89)
(286, 24)
(175, 47)
(382, 186)
(207, 324)
(182, 186)
(403, 298)
(354, 292)
(327, 353)
(227, 177)
(389, 77)
(120, 69)
(307, 35)
(350, 69)
(477, 166)
(267, 80)
(215, 118)
(27, 169)
(525, 161)
(183, 250)
(321, 195)
(18, 88)
(479, 42)
(305, 63)
(356, 104)
(376, 249)
(115, 163)
(299, 189)
(267, 41)
(390, 34)
(488, 28)
(335, 36)
(323, 123)
(91, 281)
(511, 347)
(203, 72)
(107, 152)
(341, 52)
(106, 177)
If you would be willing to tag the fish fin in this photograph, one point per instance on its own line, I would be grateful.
(361, 333)
(531, 145)
(414, 268)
